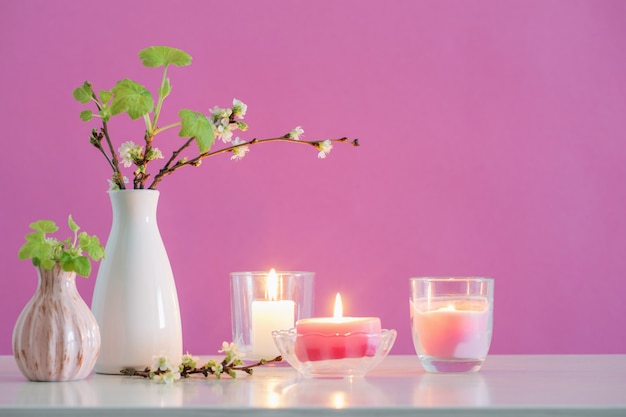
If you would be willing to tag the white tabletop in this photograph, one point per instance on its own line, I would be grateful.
(507, 385)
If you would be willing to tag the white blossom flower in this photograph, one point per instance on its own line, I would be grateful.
(219, 113)
(113, 185)
(155, 153)
(170, 377)
(324, 148)
(189, 360)
(222, 127)
(239, 108)
(160, 363)
(240, 151)
(129, 151)
(229, 348)
(233, 356)
(217, 369)
(225, 134)
(296, 133)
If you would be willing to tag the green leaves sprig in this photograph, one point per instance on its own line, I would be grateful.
(46, 251)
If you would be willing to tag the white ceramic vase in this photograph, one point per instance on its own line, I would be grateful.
(56, 336)
(135, 300)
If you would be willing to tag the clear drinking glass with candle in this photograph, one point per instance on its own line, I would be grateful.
(262, 302)
(451, 322)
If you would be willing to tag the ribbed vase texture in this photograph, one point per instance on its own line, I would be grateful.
(56, 336)
(135, 300)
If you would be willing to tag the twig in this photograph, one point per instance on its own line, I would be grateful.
(167, 169)
(206, 370)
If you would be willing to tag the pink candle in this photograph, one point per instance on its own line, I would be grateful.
(337, 337)
(453, 328)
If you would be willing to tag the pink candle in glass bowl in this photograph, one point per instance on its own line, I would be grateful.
(337, 337)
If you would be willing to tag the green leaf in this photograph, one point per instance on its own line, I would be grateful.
(83, 93)
(66, 260)
(165, 90)
(34, 249)
(105, 113)
(82, 266)
(25, 251)
(86, 115)
(45, 226)
(36, 237)
(162, 56)
(105, 96)
(196, 125)
(132, 98)
(91, 245)
(72, 224)
(46, 264)
(75, 263)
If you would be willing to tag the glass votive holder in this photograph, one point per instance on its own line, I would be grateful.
(451, 322)
(334, 356)
(262, 302)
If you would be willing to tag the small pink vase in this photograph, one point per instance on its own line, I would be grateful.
(56, 337)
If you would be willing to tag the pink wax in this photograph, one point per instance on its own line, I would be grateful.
(452, 328)
(337, 338)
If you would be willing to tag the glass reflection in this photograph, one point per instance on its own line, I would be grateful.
(334, 393)
(451, 390)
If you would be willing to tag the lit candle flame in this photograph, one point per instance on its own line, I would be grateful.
(271, 286)
(338, 312)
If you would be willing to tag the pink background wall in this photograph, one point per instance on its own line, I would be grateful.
(492, 144)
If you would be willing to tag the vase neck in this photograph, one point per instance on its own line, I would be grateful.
(134, 205)
(56, 280)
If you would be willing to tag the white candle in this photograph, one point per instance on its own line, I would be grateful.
(268, 315)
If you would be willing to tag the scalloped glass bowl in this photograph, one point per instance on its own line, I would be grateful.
(350, 362)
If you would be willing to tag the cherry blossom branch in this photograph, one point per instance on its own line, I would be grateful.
(175, 154)
(132, 98)
(167, 169)
(226, 366)
(96, 140)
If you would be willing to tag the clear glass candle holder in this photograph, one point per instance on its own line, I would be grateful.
(262, 302)
(340, 355)
(451, 322)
